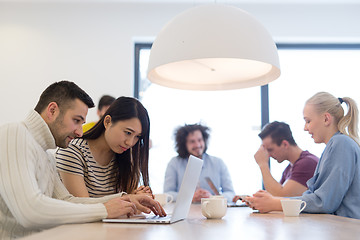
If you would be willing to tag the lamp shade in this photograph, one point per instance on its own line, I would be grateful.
(213, 47)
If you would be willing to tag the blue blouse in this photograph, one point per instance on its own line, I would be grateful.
(335, 186)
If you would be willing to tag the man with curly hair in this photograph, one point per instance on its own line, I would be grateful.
(193, 139)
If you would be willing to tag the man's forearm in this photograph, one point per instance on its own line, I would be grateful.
(270, 184)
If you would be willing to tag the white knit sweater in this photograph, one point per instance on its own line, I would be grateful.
(32, 196)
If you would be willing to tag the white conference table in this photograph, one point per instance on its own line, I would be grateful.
(238, 223)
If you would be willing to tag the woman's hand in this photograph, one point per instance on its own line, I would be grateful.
(144, 190)
(264, 202)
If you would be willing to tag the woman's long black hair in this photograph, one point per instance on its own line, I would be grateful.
(131, 165)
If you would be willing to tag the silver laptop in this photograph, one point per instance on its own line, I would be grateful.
(183, 202)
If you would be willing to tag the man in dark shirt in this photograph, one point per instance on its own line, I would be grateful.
(278, 143)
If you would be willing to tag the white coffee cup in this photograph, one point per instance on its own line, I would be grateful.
(213, 207)
(163, 198)
(217, 196)
(292, 207)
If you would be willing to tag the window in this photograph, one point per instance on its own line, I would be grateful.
(235, 117)
(306, 70)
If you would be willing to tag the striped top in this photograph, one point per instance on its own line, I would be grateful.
(77, 159)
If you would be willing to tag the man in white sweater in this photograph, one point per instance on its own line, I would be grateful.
(32, 196)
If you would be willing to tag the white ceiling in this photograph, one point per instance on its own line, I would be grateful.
(205, 1)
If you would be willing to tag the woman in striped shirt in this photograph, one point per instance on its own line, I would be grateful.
(112, 156)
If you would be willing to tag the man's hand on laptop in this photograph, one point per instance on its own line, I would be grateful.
(118, 207)
(145, 204)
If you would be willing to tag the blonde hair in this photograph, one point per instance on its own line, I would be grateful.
(348, 124)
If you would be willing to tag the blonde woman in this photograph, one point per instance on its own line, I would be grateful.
(335, 186)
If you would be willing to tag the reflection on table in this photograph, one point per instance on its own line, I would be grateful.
(239, 223)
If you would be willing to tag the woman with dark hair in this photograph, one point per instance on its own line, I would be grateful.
(112, 156)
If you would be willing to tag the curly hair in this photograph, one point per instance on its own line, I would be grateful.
(181, 134)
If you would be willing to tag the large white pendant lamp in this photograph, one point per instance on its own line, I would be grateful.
(213, 47)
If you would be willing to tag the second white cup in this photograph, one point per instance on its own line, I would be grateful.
(214, 207)
(292, 207)
(163, 198)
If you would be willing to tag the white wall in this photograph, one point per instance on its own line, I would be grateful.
(92, 43)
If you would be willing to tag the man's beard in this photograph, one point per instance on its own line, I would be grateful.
(199, 151)
(55, 128)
